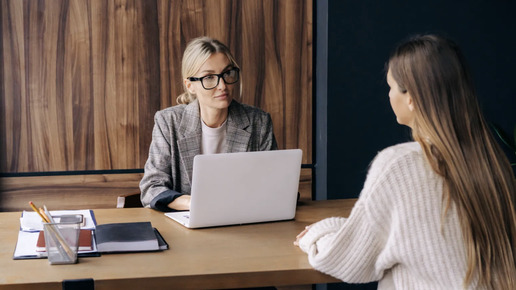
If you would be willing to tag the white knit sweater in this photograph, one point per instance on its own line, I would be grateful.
(393, 234)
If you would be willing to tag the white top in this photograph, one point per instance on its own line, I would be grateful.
(213, 139)
(393, 234)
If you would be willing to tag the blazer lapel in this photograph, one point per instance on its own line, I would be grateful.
(237, 135)
(190, 131)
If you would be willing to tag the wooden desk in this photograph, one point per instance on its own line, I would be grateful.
(224, 257)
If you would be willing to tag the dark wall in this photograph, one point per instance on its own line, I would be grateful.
(361, 35)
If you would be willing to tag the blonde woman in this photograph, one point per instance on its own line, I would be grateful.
(207, 121)
(438, 213)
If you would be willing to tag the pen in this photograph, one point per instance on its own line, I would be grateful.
(47, 217)
(38, 212)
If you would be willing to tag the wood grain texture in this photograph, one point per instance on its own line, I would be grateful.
(82, 79)
(89, 191)
(67, 192)
(237, 257)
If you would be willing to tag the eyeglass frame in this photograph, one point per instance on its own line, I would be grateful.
(219, 76)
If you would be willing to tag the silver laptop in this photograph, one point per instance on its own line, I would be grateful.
(242, 188)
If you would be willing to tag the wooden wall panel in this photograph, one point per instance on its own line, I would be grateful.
(80, 82)
(87, 85)
(271, 40)
(67, 192)
(86, 191)
(82, 79)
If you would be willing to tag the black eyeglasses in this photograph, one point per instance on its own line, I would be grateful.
(210, 82)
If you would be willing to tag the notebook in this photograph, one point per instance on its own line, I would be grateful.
(242, 188)
(129, 237)
(85, 241)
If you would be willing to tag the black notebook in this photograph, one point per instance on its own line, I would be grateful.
(128, 237)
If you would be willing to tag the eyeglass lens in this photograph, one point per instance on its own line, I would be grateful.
(211, 81)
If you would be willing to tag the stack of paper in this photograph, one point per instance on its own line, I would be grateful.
(31, 225)
(106, 238)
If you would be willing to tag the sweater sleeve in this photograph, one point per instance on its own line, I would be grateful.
(359, 249)
(345, 248)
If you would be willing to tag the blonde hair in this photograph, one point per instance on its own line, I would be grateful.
(457, 142)
(196, 53)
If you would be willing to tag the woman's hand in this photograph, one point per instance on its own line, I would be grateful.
(301, 234)
(181, 203)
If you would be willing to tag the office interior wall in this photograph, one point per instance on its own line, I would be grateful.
(80, 81)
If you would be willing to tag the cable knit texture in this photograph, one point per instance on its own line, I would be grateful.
(395, 234)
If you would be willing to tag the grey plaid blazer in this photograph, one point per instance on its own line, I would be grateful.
(176, 139)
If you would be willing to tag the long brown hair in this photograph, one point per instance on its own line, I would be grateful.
(457, 142)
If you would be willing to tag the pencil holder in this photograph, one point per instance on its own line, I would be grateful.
(61, 242)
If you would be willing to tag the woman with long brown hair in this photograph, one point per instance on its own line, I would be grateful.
(438, 213)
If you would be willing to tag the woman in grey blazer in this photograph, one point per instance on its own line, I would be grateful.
(206, 121)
